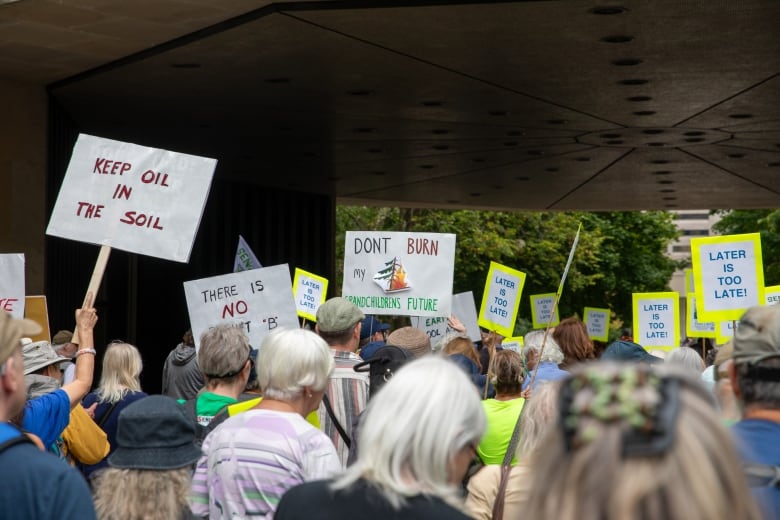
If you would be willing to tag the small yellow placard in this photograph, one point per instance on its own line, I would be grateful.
(309, 291)
(501, 299)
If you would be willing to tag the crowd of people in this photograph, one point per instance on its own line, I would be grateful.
(562, 429)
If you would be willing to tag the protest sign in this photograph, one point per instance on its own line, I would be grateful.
(35, 309)
(597, 322)
(309, 291)
(693, 327)
(690, 287)
(725, 331)
(501, 299)
(542, 312)
(657, 320)
(772, 294)
(515, 343)
(728, 275)
(259, 300)
(463, 308)
(12, 287)
(130, 197)
(403, 274)
(245, 258)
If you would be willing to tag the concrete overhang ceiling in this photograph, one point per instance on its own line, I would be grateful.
(541, 105)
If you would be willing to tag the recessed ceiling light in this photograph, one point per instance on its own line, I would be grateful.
(773, 164)
(360, 92)
(617, 38)
(556, 121)
(510, 143)
(644, 112)
(740, 116)
(614, 141)
(363, 130)
(656, 144)
(535, 152)
(665, 181)
(627, 62)
(441, 147)
(633, 81)
(694, 133)
(736, 155)
(185, 65)
(374, 150)
(638, 98)
(475, 194)
(378, 172)
(515, 133)
(607, 10)
(582, 159)
(478, 159)
(432, 103)
(427, 166)
(440, 131)
(659, 161)
(662, 172)
(652, 131)
(667, 190)
(694, 139)
(669, 198)
(551, 169)
(498, 187)
(610, 136)
(522, 178)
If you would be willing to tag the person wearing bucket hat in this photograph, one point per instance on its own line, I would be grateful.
(339, 323)
(755, 378)
(149, 473)
(28, 470)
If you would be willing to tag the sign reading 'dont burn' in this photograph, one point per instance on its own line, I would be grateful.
(134, 198)
(402, 274)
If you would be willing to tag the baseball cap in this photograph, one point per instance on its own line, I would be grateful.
(338, 314)
(372, 325)
(11, 331)
(758, 335)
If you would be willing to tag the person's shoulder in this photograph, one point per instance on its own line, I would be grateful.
(431, 508)
(307, 500)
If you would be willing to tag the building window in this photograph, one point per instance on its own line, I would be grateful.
(696, 232)
(681, 249)
(692, 216)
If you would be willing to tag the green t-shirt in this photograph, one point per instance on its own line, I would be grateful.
(501, 419)
(209, 404)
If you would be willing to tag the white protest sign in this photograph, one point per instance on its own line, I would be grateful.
(463, 308)
(694, 327)
(596, 320)
(403, 274)
(258, 300)
(515, 344)
(12, 290)
(245, 257)
(728, 274)
(542, 313)
(501, 299)
(657, 319)
(130, 197)
(309, 291)
(772, 294)
(725, 330)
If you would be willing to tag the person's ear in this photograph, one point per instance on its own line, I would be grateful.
(732, 368)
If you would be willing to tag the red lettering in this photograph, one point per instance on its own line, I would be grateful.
(106, 166)
(82, 205)
(98, 165)
(7, 304)
(422, 246)
(141, 220)
(130, 216)
(239, 307)
(115, 166)
(125, 167)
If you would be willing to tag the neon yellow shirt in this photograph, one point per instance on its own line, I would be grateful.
(243, 406)
(501, 419)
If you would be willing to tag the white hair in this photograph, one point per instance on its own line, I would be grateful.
(414, 428)
(687, 358)
(291, 359)
(533, 343)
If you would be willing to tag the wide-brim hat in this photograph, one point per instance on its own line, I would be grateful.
(155, 433)
(38, 355)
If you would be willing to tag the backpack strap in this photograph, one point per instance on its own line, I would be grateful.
(106, 414)
(11, 437)
(762, 475)
(336, 423)
(506, 467)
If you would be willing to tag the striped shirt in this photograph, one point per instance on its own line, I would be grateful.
(348, 393)
(253, 458)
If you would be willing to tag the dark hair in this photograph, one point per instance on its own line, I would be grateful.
(571, 335)
(755, 391)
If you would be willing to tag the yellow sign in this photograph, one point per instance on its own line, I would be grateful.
(772, 294)
(694, 327)
(515, 344)
(728, 275)
(725, 331)
(35, 309)
(309, 291)
(657, 320)
(542, 312)
(501, 299)
(596, 320)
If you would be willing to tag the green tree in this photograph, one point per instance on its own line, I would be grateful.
(763, 221)
(618, 253)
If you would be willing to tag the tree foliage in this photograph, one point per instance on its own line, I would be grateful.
(618, 253)
(763, 221)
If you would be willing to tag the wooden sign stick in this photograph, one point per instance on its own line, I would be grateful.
(94, 282)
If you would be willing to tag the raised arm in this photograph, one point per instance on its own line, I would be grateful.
(86, 317)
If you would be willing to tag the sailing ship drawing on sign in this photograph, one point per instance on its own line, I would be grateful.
(393, 277)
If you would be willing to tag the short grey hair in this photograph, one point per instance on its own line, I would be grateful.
(538, 416)
(291, 359)
(687, 358)
(414, 428)
(224, 349)
(533, 343)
